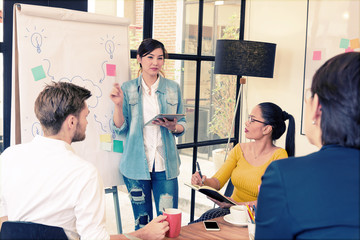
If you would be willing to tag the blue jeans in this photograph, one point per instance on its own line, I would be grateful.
(166, 194)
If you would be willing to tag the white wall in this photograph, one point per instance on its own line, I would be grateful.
(282, 22)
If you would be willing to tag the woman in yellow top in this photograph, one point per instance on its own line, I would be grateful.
(247, 162)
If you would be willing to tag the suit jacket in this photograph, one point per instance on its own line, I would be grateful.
(311, 197)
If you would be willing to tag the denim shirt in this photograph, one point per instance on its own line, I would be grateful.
(133, 162)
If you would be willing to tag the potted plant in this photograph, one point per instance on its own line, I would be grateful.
(223, 98)
(223, 103)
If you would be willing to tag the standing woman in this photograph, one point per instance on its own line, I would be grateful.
(150, 162)
(247, 162)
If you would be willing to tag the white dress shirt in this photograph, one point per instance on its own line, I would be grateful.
(152, 135)
(44, 181)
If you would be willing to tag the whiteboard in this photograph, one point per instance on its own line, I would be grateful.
(87, 49)
(333, 27)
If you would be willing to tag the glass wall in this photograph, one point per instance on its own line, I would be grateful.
(131, 9)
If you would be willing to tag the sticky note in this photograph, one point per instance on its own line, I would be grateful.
(38, 73)
(349, 49)
(110, 69)
(317, 55)
(344, 43)
(118, 146)
(354, 43)
(105, 138)
(106, 146)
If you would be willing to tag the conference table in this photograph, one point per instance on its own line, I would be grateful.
(227, 231)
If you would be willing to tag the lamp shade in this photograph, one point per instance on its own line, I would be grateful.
(245, 58)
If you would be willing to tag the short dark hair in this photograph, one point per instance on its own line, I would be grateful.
(57, 101)
(276, 117)
(337, 84)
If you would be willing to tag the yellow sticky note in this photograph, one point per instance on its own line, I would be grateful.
(105, 138)
(354, 43)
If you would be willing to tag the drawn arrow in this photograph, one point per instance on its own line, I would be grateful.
(102, 68)
(95, 117)
(48, 71)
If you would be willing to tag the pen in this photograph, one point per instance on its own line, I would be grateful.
(254, 208)
(199, 170)
(251, 215)
(252, 221)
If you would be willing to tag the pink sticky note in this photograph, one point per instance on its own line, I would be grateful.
(317, 55)
(354, 43)
(110, 70)
(349, 49)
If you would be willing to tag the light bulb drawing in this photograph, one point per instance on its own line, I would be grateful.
(36, 39)
(110, 47)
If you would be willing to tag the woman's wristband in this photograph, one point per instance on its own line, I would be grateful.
(131, 237)
(175, 131)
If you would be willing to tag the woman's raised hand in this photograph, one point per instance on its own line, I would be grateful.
(117, 95)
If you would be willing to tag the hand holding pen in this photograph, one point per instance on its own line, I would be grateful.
(197, 178)
(199, 170)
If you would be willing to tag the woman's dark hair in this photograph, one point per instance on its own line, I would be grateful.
(147, 46)
(276, 117)
(337, 84)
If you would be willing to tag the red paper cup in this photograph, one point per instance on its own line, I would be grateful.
(174, 220)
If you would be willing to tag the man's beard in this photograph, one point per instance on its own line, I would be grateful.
(79, 136)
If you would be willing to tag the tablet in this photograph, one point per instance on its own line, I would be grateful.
(167, 116)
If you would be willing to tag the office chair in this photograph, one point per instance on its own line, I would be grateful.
(30, 231)
(229, 189)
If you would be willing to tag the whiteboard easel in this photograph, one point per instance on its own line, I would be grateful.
(333, 27)
(87, 49)
(114, 191)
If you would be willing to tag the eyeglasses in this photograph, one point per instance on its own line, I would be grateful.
(252, 119)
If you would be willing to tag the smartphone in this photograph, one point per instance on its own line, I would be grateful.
(211, 226)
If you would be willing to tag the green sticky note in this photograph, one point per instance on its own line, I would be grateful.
(118, 146)
(106, 146)
(38, 73)
(344, 43)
